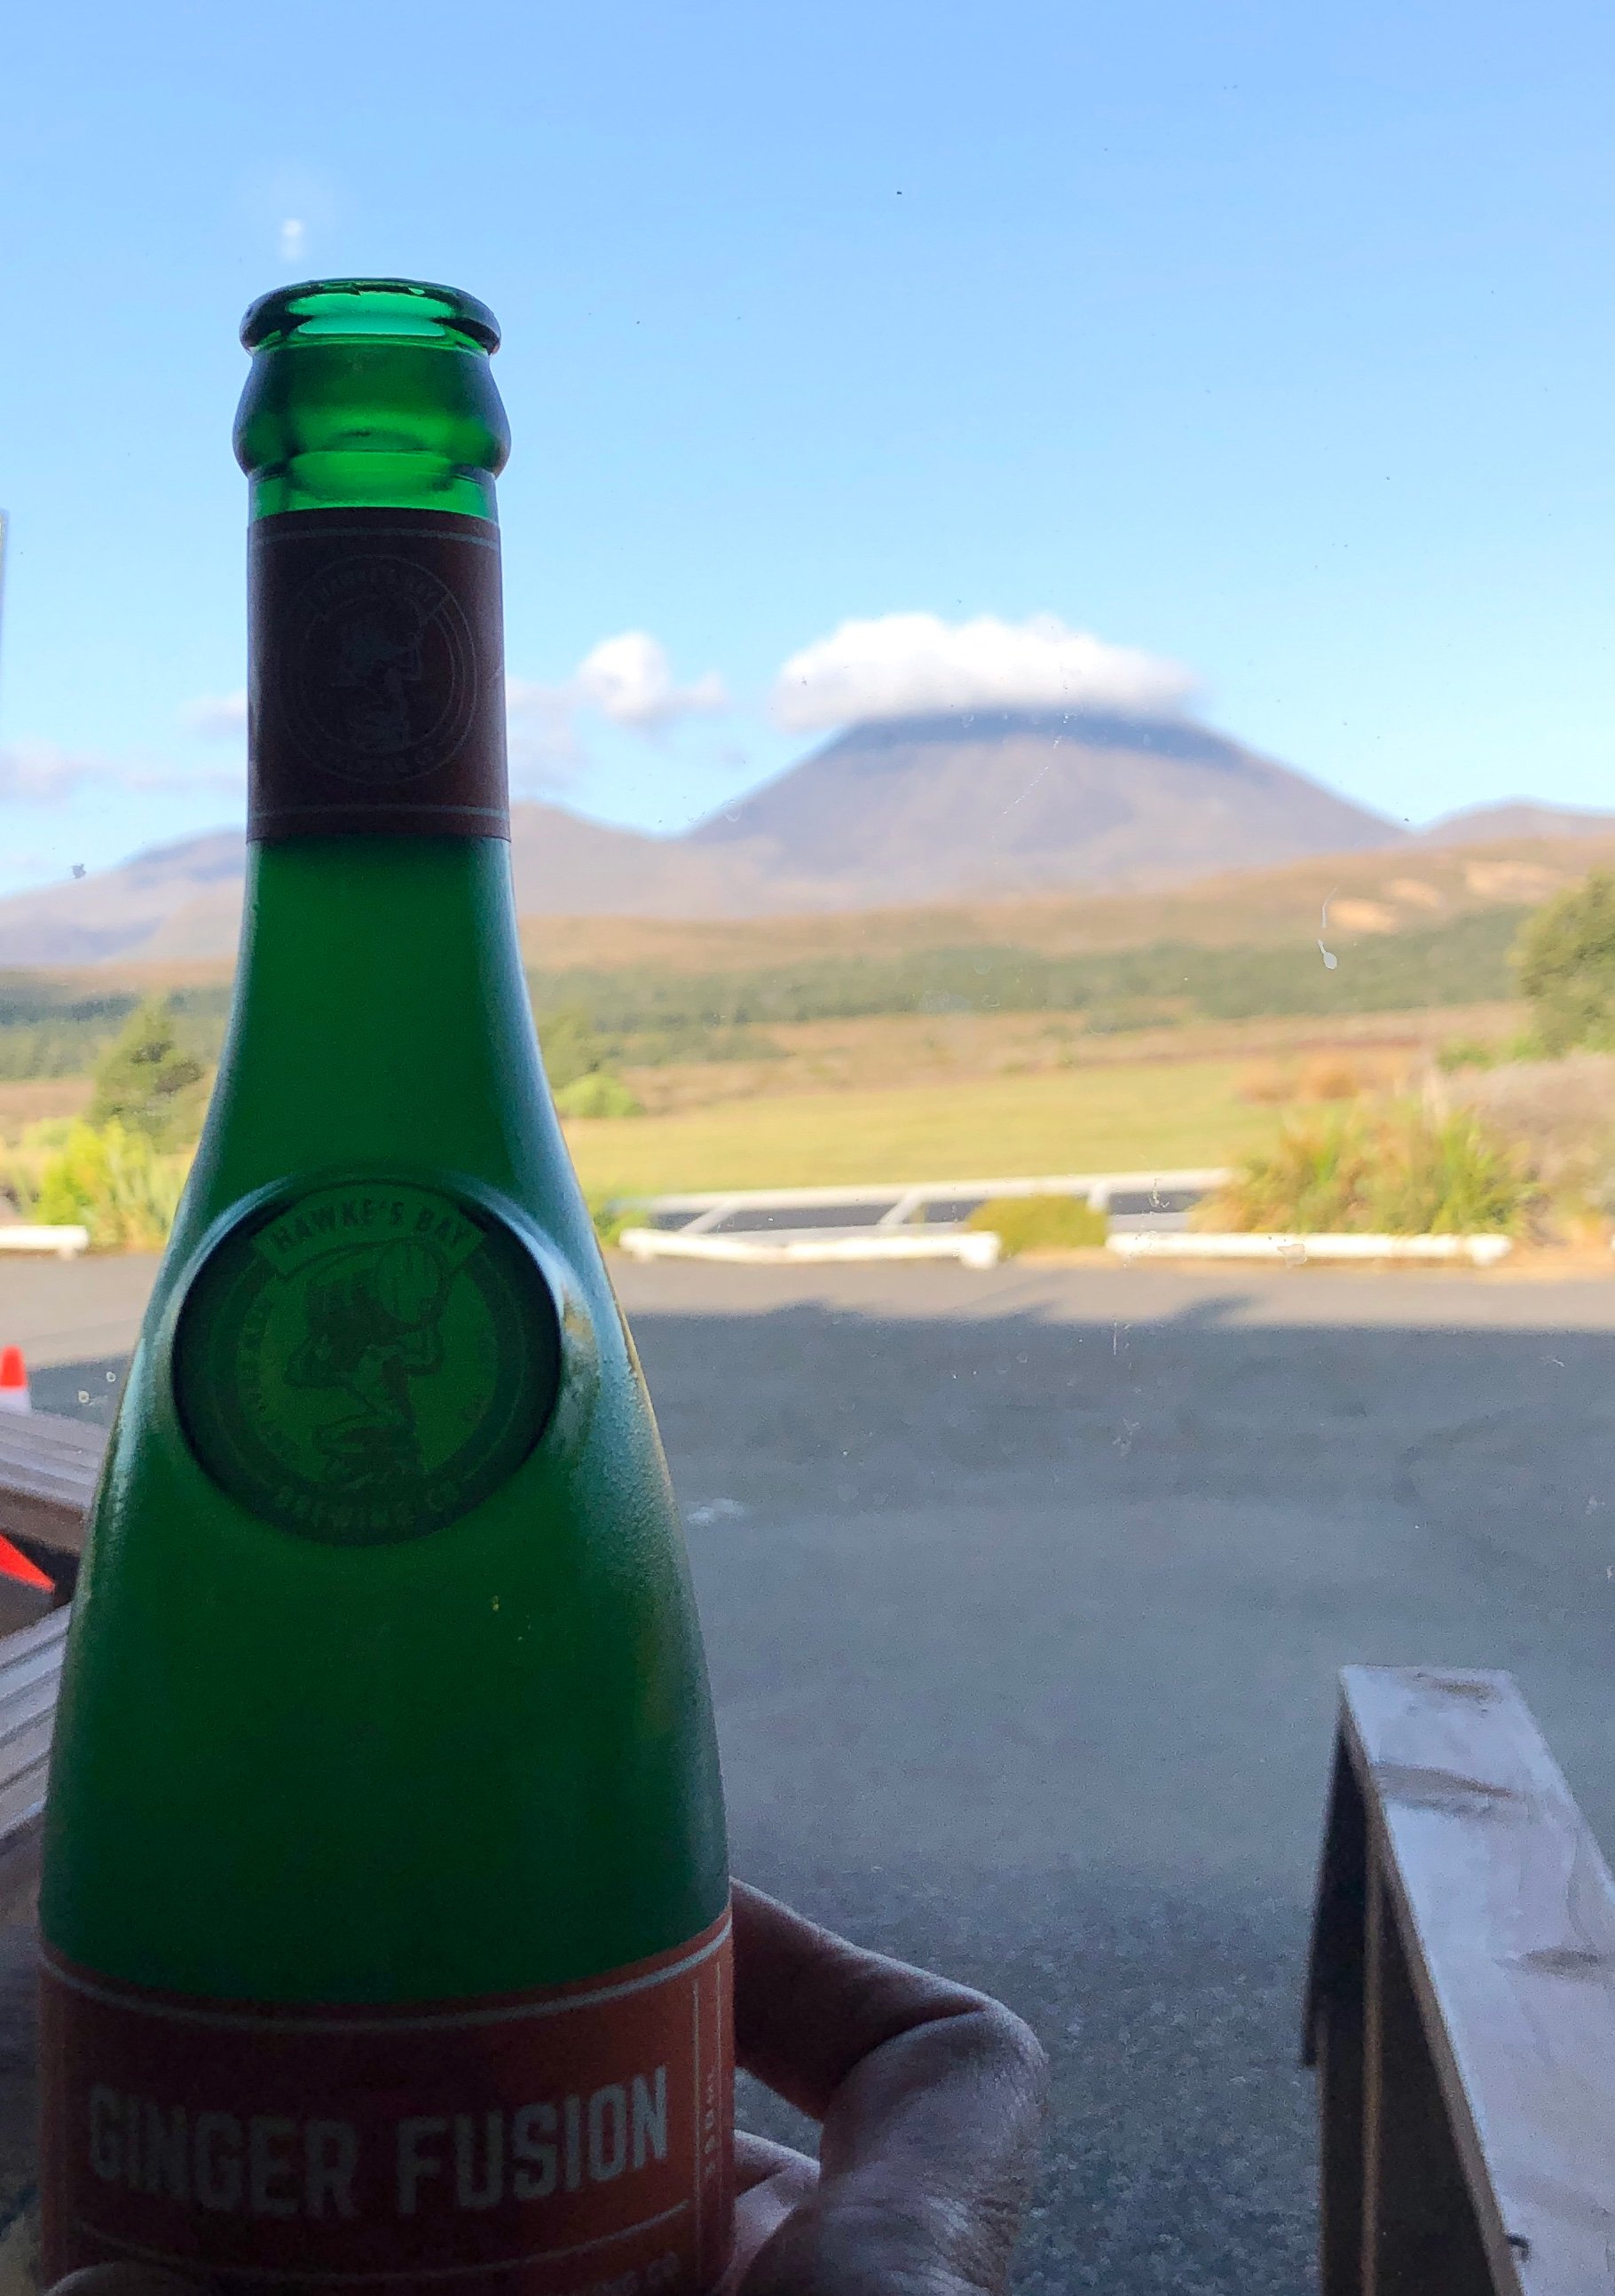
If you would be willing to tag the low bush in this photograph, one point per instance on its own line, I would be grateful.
(114, 1183)
(1327, 1076)
(22, 1164)
(1330, 1076)
(1558, 1114)
(1041, 1224)
(1398, 1172)
(1267, 1084)
(610, 1215)
(597, 1093)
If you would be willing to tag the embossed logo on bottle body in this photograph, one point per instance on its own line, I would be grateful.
(366, 1362)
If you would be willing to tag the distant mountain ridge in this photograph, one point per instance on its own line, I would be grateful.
(1516, 817)
(983, 806)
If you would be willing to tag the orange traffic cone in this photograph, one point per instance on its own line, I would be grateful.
(13, 1382)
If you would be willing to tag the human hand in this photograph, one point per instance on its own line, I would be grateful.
(931, 2098)
(929, 2095)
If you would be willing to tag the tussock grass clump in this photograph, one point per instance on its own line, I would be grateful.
(1393, 1172)
(1328, 1075)
(1041, 1224)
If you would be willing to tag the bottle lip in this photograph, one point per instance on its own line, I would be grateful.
(399, 310)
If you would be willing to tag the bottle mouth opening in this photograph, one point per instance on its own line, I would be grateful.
(372, 310)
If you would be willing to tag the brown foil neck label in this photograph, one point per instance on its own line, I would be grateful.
(562, 2142)
(376, 697)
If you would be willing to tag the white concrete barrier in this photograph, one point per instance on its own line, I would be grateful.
(1297, 1251)
(66, 1243)
(761, 1247)
(898, 1200)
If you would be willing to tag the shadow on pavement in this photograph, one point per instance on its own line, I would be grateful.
(1023, 1631)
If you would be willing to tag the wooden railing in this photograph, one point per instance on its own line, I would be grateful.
(48, 1468)
(30, 1668)
(1461, 2007)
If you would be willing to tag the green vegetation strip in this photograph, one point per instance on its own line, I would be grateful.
(50, 1029)
(1465, 962)
(643, 1014)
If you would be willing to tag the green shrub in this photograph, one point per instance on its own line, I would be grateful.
(610, 1217)
(597, 1093)
(1401, 1173)
(148, 1082)
(18, 1187)
(1041, 1224)
(116, 1184)
(22, 1166)
(1565, 961)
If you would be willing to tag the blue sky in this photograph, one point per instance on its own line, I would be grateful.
(1273, 344)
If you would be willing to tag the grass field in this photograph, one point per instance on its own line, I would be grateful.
(1066, 1120)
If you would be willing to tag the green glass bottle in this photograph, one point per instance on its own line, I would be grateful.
(385, 1895)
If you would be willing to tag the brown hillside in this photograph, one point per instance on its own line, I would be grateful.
(1339, 897)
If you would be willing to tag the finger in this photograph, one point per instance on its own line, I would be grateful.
(758, 2158)
(927, 2155)
(809, 2006)
(760, 2213)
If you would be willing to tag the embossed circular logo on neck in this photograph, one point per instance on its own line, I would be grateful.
(367, 1362)
(380, 670)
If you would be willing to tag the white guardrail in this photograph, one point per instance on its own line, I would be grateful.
(753, 1225)
(66, 1243)
(974, 1246)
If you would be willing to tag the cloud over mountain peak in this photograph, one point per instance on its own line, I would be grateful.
(917, 665)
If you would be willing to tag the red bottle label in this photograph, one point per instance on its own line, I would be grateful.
(572, 2142)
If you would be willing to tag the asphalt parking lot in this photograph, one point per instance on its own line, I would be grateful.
(1025, 1592)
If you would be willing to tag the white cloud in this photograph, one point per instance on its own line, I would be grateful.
(39, 775)
(630, 679)
(626, 678)
(915, 665)
(218, 717)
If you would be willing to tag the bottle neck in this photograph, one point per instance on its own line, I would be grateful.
(380, 1012)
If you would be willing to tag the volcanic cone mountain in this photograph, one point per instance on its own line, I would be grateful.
(1021, 801)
